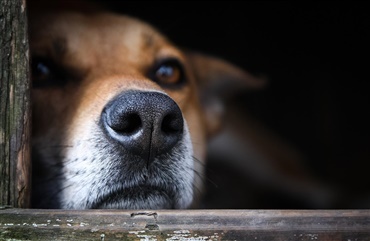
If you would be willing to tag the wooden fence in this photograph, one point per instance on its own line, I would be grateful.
(26, 224)
(14, 105)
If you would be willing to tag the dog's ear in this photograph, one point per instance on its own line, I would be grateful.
(217, 82)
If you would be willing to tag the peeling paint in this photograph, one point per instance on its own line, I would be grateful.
(183, 235)
(135, 232)
(186, 235)
(312, 236)
(181, 231)
(147, 237)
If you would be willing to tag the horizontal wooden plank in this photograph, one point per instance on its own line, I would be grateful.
(29, 224)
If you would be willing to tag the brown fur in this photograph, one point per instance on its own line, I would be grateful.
(107, 54)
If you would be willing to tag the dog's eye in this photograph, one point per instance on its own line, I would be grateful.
(44, 73)
(169, 73)
(41, 71)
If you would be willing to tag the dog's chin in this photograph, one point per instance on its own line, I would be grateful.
(140, 197)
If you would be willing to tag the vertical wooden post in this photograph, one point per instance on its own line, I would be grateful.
(14, 105)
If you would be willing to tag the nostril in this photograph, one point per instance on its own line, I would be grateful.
(127, 124)
(172, 124)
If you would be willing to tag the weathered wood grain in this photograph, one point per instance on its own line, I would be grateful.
(14, 105)
(22, 224)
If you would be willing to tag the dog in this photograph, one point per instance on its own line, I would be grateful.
(121, 115)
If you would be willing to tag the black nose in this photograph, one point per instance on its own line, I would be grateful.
(146, 124)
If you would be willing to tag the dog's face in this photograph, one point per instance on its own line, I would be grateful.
(120, 115)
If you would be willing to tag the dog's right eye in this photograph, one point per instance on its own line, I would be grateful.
(44, 73)
(169, 73)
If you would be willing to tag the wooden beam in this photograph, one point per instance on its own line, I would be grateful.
(28, 224)
(14, 105)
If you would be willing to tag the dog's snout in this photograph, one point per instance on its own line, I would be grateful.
(146, 124)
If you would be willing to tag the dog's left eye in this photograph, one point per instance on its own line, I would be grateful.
(45, 73)
(169, 73)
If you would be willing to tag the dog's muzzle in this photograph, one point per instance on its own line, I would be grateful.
(154, 170)
(145, 124)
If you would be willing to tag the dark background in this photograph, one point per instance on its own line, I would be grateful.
(316, 57)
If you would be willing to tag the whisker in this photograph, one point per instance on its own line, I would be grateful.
(196, 143)
(203, 177)
(198, 161)
(54, 157)
(212, 182)
(55, 146)
(54, 194)
(196, 190)
(51, 179)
